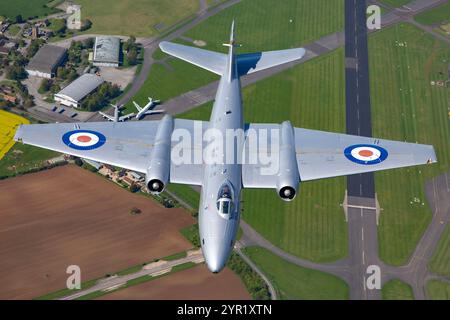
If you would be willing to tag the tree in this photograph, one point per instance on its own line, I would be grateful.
(45, 86)
(55, 88)
(135, 211)
(74, 55)
(19, 18)
(4, 105)
(78, 162)
(88, 43)
(86, 24)
(132, 57)
(34, 47)
(62, 73)
(16, 72)
(58, 26)
(28, 102)
(20, 59)
(72, 75)
(134, 187)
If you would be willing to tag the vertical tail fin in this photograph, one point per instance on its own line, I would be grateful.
(231, 45)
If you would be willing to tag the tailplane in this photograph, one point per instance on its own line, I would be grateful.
(217, 62)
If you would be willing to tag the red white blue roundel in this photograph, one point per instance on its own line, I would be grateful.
(83, 139)
(365, 153)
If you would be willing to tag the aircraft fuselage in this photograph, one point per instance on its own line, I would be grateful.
(219, 219)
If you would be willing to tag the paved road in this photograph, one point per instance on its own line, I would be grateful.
(150, 270)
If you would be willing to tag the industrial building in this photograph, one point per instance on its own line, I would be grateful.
(75, 92)
(106, 51)
(46, 61)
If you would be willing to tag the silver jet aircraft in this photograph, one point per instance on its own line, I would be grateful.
(153, 148)
(116, 117)
(147, 109)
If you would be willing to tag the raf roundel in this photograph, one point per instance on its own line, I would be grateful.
(366, 154)
(83, 139)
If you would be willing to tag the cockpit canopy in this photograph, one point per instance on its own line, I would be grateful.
(225, 199)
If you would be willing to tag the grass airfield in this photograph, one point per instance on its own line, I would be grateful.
(135, 17)
(406, 107)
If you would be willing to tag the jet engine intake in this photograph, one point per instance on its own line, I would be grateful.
(158, 172)
(288, 175)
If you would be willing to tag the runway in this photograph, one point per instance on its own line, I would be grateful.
(358, 114)
(362, 224)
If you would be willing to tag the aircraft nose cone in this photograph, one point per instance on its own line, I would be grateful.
(215, 256)
(215, 265)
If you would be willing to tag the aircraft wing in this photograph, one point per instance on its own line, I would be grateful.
(138, 108)
(126, 117)
(122, 144)
(324, 154)
(209, 60)
(107, 116)
(154, 111)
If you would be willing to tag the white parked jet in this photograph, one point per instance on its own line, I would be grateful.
(146, 110)
(153, 148)
(116, 117)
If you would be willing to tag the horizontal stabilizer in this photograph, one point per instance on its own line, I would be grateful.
(253, 62)
(209, 60)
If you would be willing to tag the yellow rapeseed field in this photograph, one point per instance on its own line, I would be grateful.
(8, 126)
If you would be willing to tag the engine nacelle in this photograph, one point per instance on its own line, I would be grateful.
(158, 172)
(288, 176)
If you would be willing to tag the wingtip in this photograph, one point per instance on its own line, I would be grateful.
(163, 45)
(302, 52)
(432, 157)
(18, 134)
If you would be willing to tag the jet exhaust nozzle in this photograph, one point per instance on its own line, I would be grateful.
(288, 175)
(155, 186)
(287, 193)
(158, 172)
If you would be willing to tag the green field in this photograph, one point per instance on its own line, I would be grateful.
(135, 17)
(440, 261)
(436, 15)
(189, 195)
(164, 84)
(293, 282)
(397, 290)
(310, 20)
(26, 8)
(261, 25)
(395, 3)
(438, 290)
(313, 225)
(24, 158)
(406, 107)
